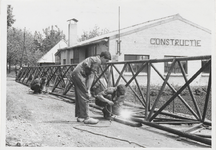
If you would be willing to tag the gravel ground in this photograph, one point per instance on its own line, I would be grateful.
(44, 120)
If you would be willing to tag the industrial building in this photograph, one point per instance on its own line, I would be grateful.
(171, 36)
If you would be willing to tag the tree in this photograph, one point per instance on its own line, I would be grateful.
(14, 46)
(52, 37)
(93, 33)
(10, 16)
(38, 40)
(25, 48)
(21, 48)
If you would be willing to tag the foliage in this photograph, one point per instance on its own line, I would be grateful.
(10, 16)
(14, 45)
(25, 48)
(21, 48)
(93, 33)
(52, 37)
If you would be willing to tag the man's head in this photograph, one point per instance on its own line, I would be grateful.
(105, 57)
(121, 90)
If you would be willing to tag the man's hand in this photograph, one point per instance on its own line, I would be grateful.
(89, 94)
(110, 103)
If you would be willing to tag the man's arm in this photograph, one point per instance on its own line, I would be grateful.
(103, 99)
(89, 83)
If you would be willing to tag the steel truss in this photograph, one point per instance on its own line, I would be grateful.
(59, 80)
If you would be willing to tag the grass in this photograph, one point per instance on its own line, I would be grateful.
(176, 106)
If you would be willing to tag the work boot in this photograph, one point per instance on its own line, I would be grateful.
(106, 113)
(91, 121)
(80, 119)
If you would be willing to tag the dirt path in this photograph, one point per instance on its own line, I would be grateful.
(41, 120)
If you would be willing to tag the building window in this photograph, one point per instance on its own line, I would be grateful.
(208, 68)
(176, 69)
(75, 57)
(135, 66)
(64, 61)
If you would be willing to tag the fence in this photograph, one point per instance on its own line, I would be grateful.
(147, 108)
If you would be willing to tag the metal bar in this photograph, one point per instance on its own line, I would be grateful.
(171, 119)
(113, 79)
(57, 80)
(179, 96)
(120, 74)
(142, 102)
(193, 128)
(190, 91)
(100, 82)
(52, 74)
(137, 83)
(148, 91)
(62, 76)
(207, 96)
(161, 90)
(203, 135)
(26, 73)
(67, 87)
(174, 115)
(39, 72)
(177, 122)
(147, 60)
(140, 69)
(180, 90)
(103, 74)
(100, 76)
(48, 74)
(23, 74)
(174, 131)
(69, 83)
(33, 75)
(72, 99)
(162, 60)
(30, 75)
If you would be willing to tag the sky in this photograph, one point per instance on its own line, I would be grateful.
(35, 15)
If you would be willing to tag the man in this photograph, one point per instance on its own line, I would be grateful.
(36, 85)
(112, 100)
(82, 77)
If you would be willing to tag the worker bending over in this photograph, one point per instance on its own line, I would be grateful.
(82, 78)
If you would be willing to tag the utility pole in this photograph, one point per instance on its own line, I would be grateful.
(23, 48)
(118, 41)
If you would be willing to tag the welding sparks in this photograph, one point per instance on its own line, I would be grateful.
(125, 114)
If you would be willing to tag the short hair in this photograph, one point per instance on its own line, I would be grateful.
(121, 89)
(106, 55)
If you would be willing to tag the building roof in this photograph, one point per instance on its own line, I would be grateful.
(49, 57)
(135, 28)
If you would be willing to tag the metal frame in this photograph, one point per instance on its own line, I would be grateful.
(57, 74)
